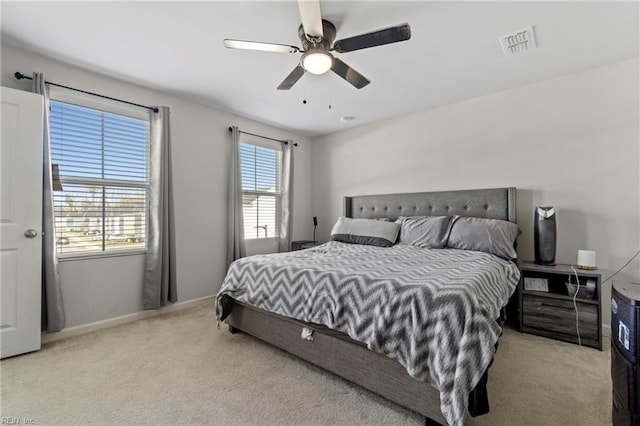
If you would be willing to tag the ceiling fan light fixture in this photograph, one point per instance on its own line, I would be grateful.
(317, 61)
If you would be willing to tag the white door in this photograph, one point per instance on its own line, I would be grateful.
(20, 219)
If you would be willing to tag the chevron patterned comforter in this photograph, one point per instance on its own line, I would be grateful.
(432, 310)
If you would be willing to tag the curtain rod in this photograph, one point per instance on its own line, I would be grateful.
(20, 76)
(264, 137)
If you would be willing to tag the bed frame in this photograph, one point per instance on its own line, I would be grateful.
(352, 360)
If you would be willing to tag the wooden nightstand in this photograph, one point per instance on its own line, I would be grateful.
(303, 244)
(546, 304)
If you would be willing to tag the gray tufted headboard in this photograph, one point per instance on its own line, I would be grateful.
(495, 203)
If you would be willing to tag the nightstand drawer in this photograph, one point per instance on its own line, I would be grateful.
(556, 318)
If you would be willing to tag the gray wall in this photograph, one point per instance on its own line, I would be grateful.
(570, 142)
(105, 288)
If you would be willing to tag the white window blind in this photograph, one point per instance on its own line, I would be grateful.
(261, 177)
(102, 160)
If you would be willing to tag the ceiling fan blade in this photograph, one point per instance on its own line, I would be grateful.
(311, 17)
(376, 38)
(356, 79)
(292, 78)
(256, 45)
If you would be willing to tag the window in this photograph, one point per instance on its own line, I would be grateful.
(261, 186)
(102, 160)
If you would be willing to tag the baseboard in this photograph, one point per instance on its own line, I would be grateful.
(111, 322)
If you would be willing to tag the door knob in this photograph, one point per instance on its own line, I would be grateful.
(30, 233)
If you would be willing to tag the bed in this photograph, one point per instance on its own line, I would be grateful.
(401, 369)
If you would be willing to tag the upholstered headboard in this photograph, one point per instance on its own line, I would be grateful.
(495, 203)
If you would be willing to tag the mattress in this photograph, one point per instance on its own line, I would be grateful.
(433, 311)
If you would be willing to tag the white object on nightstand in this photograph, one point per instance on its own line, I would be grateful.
(587, 259)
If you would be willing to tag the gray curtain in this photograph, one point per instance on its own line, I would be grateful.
(286, 212)
(160, 268)
(53, 316)
(235, 230)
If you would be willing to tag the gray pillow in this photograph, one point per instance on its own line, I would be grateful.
(488, 235)
(365, 231)
(424, 231)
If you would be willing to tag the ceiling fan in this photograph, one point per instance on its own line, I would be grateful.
(317, 36)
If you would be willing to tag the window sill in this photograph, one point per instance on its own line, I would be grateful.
(95, 256)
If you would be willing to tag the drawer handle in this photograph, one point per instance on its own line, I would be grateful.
(568, 308)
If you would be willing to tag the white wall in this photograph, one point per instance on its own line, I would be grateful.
(570, 142)
(105, 288)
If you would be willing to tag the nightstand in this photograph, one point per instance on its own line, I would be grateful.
(547, 308)
(303, 244)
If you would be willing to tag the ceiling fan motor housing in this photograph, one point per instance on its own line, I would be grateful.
(326, 41)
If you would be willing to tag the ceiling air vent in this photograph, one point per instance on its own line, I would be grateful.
(518, 41)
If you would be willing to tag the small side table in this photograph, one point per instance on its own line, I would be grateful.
(547, 304)
(302, 244)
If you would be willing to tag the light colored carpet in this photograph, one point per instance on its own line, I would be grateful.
(180, 369)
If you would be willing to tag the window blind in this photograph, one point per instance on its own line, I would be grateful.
(102, 160)
(261, 192)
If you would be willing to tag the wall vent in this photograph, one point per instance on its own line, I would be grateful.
(518, 41)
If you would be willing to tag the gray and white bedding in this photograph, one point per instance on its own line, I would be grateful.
(432, 310)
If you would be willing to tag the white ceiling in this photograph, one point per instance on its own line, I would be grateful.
(454, 53)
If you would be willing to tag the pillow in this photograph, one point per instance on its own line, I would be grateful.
(488, 235)
(424, 231)
(365, 231)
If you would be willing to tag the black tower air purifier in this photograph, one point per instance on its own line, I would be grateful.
(625, 353)
(545, 236)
